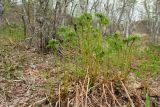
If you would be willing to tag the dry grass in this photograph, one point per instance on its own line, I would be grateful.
(32, 80)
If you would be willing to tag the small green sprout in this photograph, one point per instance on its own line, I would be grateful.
(103, 20)
(84, 20)
(53, 44)
(131, 38)
(67, 32)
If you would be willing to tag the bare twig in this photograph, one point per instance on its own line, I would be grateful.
(49, 100)
(77, 96)
(114, 97)
(104, 93)
(38, 102)
(59, 92)
(125, 89)
(87, 92)
(68, 103)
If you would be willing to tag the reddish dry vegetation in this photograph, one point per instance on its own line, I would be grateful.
(28, 79)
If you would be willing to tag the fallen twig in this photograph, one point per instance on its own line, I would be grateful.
(114, 97)
(104, 93)
(38, 102)
(132, 104)
(87, 92)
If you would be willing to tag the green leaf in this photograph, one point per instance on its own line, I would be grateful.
(67, 32)
(103, 20)
(84, 20)
(53, 44)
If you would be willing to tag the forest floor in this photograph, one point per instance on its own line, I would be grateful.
(23, 80)
(21, 83)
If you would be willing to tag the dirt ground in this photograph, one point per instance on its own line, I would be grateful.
(23, 85)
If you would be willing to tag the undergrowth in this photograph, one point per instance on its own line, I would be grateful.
(92, 69)
(92, 62)
(12, 32)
